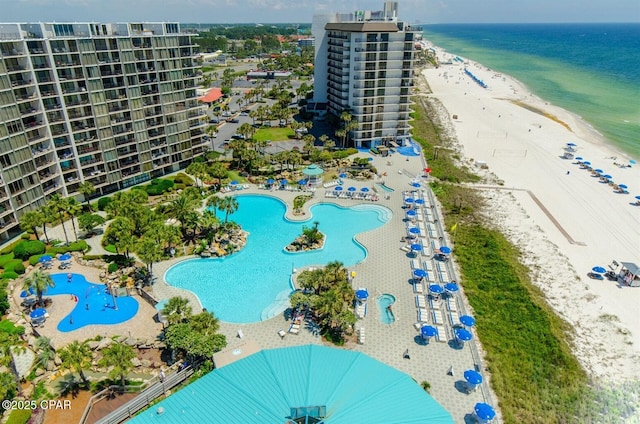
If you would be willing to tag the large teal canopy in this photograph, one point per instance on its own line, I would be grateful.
(264, 387)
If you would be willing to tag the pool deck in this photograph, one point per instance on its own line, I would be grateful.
(386, 269)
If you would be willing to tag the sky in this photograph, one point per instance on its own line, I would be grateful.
(301, 11)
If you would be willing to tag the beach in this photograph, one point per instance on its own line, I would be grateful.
(562, 218)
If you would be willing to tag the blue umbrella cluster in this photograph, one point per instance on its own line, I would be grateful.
(475, 78)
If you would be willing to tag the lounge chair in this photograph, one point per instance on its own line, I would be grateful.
(452, 305)
(415, 264)
(437, 316)
(361, 338)
(406, 249)
(442, 334)
(417, 288)
(423, 315)
(454, 318)
(281, 333)
(420, 302)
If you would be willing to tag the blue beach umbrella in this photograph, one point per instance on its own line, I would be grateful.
(579, 158)
(599, 270)
(472, 377)
(38, 313)
(24, 293)
(607, 176)
(451, 287)
(271, 181)
(632, 162)
(637, 197)
(586, 162)
(408, 200)
(416, 247)
(364, 189)
(463, 334)
(362, 294)
(65, 257)
(234, 182)
(343, 175)
(571, 144)
(45, 258)
(484, 411)
(428, 331)
(419, 273)
(467, 320)
(599, 171)
(338, 188)
(414, 230)
(445, 250)
(419, 202)
(352, 189)
(284, 182)
(436, 289)
(302, 182)
(412, 214)
(624, 186)
(416, 185)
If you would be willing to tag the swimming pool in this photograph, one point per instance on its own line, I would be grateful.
(384, 187)
(93, 304)
(254, 284)
(384, 305)
(410, 148)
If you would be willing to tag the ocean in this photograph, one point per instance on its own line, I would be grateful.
(592, 70)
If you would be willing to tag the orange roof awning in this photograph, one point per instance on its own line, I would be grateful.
(211, 96)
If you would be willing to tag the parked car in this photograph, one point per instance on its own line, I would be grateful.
(238, 137)
(244, 114)
(233, 120)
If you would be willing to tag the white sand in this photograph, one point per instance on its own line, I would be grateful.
(522, 148)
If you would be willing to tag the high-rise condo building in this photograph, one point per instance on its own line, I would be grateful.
(364, 65)
(109, 104)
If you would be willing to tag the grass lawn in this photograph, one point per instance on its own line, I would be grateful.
(273, 134)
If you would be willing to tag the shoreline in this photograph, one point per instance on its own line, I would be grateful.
(544, 203)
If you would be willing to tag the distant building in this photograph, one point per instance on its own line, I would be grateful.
(267, 74)
(364, 65)
(306, 42)
(109, 104)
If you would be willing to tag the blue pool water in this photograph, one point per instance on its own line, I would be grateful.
(411, 148)
(386, 313)
(93, 306)
(384, 187)
(255, 283)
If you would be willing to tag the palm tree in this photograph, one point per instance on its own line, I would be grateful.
(86, 189)
(30, 220)
(228, 205)
(73, 208)
(181, 207)
(119, 356)
(198, 170)
(177, 310)
(341, 133)
(204, 323)
(57, 205)
(76, 357)
(120, 233)
(38, 280)
(149, 251)
(8, 385)
(46, 353)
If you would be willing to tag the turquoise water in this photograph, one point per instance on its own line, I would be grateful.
(254, 284)
(588, 69)
(93, 305)
(384, 187)
(386, 313)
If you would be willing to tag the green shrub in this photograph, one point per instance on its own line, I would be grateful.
(4, 299)
(76, 246)
(113, 267)
(180, 186)
(341, 154)
(184, 179)
(8, 327)
(25, 236)
(10, 275)
(34, 260)
(26, 249)
(14, 265)
(92, 257)
(19, 416)
(158, 186)
(5, 258)
(111, 248)
(103, 202)
(9, 248)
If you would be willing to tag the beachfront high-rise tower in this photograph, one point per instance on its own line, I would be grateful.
(364, 65)
(110, 104)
